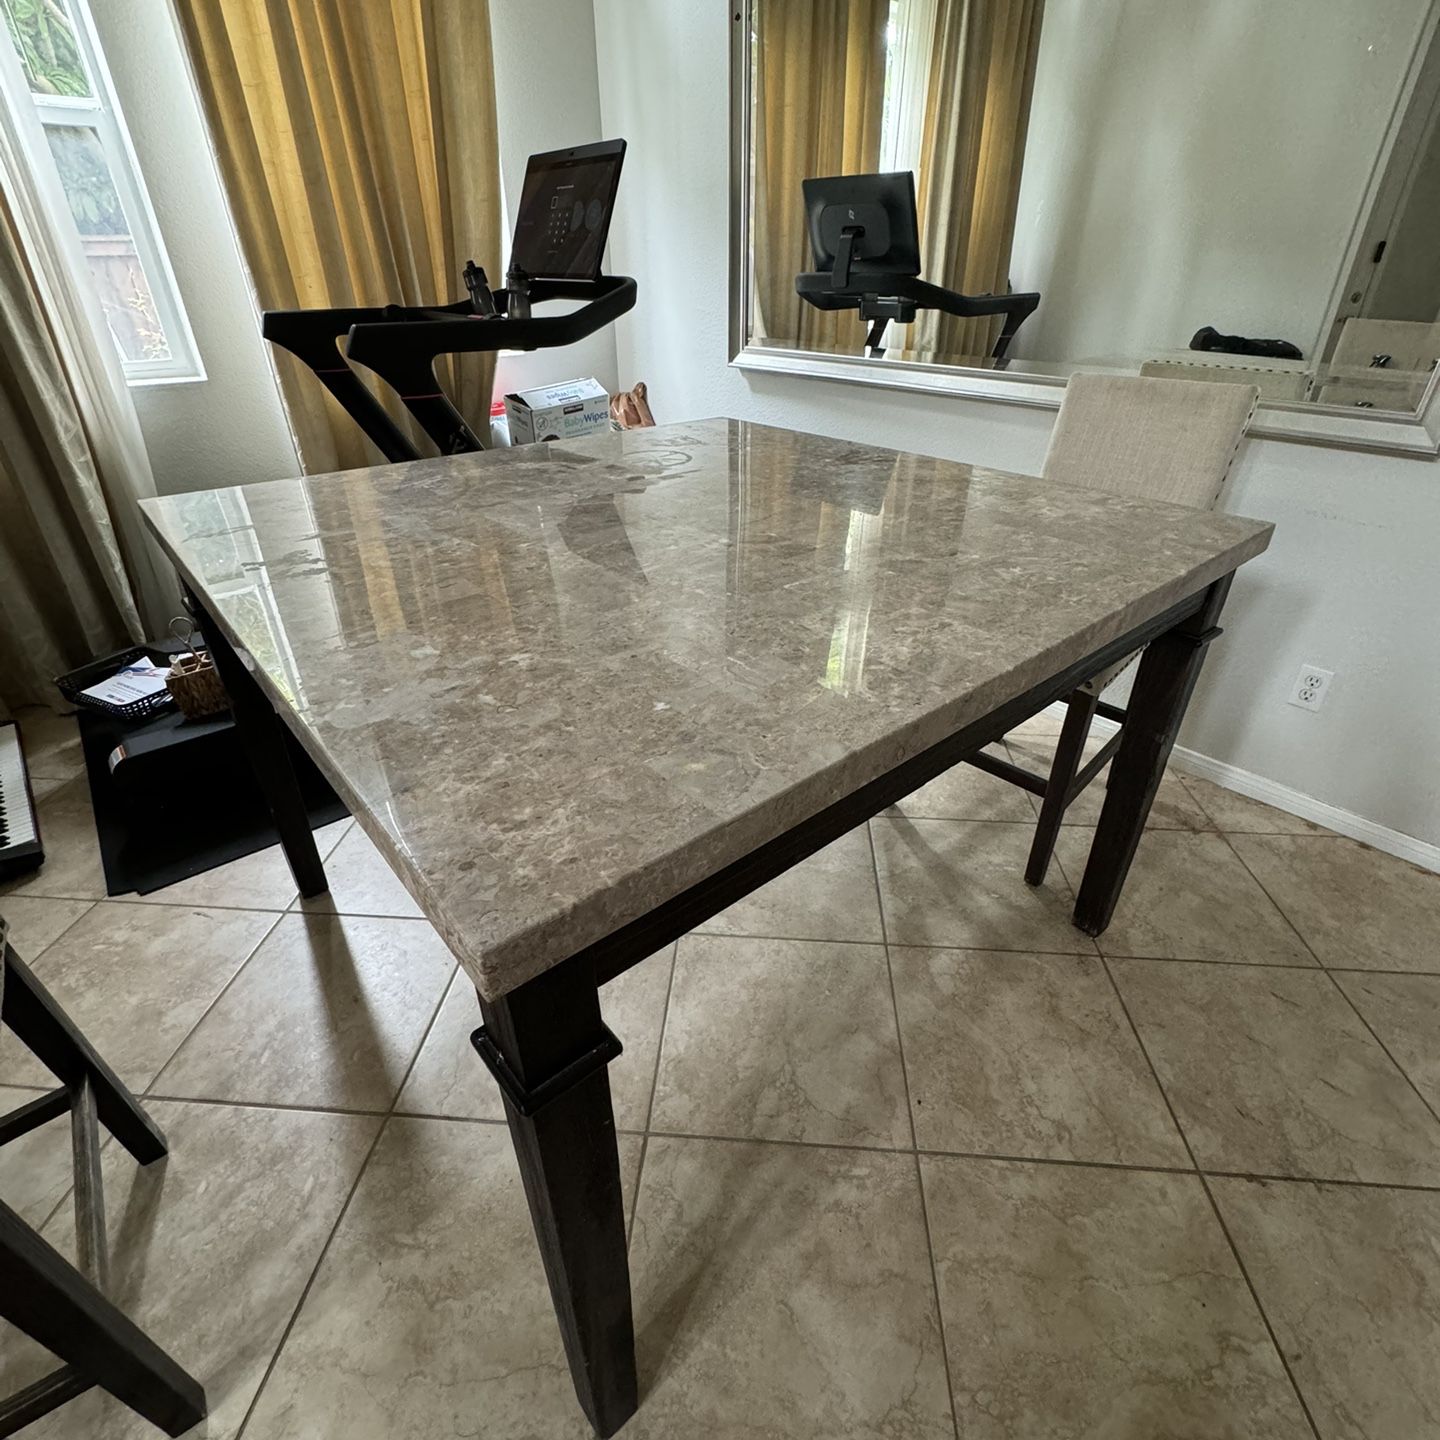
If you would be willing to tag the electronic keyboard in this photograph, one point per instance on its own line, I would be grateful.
(20, 847)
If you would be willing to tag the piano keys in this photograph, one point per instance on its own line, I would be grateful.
(20, 847)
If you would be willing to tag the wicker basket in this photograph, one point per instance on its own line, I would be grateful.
(196, 686)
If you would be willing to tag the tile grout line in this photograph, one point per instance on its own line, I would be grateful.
(35, 959)
(1215, 1209)
(1072, 954)
(145, 1093)
(220, 995)
(344, 1210)
(914, 1141)
(1344, 994)
(650, 1107)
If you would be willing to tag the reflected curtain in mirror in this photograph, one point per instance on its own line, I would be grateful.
(982, 76)
(358, 146)
(819, 92)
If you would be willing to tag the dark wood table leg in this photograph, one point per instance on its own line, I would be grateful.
(262, 733)
(1168, 671)
(548, 1049)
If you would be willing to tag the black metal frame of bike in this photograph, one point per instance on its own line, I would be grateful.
(400, 343)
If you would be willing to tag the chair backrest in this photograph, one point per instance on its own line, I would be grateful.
(1148, 438)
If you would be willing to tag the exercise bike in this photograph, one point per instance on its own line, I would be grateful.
(560, 233)
(865, 233)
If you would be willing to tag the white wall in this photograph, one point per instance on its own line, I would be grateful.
(1193, 165)
(228, 429)
(1349, 582)
(547, 97)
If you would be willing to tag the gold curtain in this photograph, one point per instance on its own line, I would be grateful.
(977, 111)
(819, 90)
(76, 572)
(358, 146)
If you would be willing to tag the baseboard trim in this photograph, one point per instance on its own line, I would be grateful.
(1294, 802)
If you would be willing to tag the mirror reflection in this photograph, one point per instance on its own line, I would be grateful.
(1240, 190)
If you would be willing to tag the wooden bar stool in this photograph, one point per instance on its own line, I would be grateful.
(60, 1306)
(1150, 439)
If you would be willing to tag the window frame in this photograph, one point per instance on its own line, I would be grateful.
(100, 113)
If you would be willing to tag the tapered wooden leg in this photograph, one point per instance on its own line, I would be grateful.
(550, 1038)
(1166, 679)
(44, 1295)
(262, 734)
(47, 1031)
(1079, 712)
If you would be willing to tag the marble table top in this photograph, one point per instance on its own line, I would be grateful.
(560, 684)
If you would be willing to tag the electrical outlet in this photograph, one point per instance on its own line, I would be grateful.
(1312, 685)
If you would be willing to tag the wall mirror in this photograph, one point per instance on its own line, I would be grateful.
(1239, 190)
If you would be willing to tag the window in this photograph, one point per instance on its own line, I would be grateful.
(62, 76)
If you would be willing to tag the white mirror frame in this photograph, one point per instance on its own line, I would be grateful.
(1344, 427)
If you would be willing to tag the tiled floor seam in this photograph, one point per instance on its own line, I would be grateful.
(654, 1085)
(340, 1217)
(1215, 1210)
(224, 989)
(33, 960)
(1344, 994)
(914, 1139)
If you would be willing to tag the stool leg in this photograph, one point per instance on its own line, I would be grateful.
(1079, 711)
(47, 1031)
(52, 1302)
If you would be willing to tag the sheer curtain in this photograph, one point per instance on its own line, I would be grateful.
(78, 575)
(982, 75)
(819, 93)
(358, 146)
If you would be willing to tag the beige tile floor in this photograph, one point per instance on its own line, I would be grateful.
(904, 1154)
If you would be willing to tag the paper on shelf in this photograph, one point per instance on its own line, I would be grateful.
(135, 682)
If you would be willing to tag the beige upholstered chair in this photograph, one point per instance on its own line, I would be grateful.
(1171, 440)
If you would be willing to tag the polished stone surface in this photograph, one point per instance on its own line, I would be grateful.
(782, 1040)
(1026, 1055)
(1350, 1279)
(561, 683)
(1082, 1302)
(1271, 1072)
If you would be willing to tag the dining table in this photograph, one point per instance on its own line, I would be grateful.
(584, 695)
